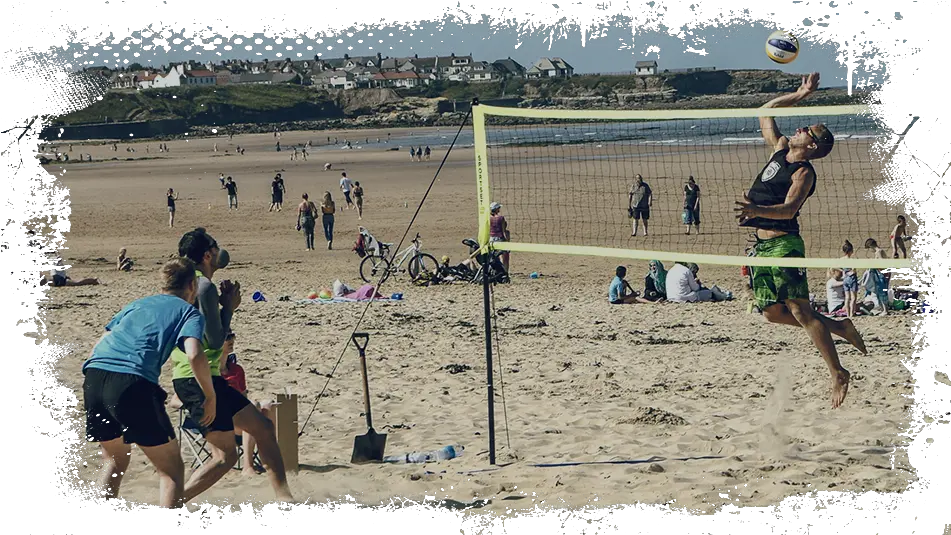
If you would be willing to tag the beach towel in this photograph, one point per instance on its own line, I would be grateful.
(366, 292)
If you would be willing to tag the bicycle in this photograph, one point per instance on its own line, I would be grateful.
(419, 262)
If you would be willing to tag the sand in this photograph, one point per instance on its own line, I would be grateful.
(692, 405)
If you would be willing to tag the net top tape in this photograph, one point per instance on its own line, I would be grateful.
(809, 111)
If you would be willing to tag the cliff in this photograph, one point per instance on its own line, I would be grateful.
(259, 108)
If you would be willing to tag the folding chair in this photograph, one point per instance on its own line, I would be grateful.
(191, 439)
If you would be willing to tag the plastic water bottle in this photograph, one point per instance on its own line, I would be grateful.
(442, 454)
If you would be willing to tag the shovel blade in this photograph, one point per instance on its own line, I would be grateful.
(368, 448)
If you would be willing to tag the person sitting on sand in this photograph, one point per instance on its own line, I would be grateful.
(620, 292)
(835, 291)
(899, 237)
(123, 263)
(58, 277)
(683, 286)
(655, 283)
(327, 166)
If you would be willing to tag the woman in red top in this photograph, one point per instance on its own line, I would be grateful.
(499, 230)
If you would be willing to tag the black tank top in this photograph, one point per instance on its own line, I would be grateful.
(771, 187)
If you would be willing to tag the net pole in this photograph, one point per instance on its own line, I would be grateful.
(479, 138)
(488, 357)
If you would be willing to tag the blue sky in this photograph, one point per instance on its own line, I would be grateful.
(609, 49)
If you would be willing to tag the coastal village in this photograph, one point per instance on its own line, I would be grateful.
(347, 72)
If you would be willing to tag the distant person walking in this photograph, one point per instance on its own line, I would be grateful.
(640, 200)
(358, 198)
(172, 197)
(427, 152)
(277, 193)
(327, 209)
(346, 185)
(691, 205)
(306, 219)
(232, 193)
(221, 178)
(412, 154)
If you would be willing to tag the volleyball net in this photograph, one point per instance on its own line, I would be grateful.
(565, 180)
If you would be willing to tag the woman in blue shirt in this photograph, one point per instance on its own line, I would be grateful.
(123, 401)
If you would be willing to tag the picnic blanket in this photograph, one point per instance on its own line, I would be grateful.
(365, 293)
(341, 300)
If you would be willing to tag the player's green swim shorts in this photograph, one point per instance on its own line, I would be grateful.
(773, 285)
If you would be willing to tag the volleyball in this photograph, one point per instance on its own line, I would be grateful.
(782, 47)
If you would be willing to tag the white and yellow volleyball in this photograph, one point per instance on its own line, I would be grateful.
(782, 47)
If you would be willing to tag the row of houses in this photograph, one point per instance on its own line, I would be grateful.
(339, 73)
(353, 72)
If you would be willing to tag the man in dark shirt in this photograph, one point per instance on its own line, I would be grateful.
(772, 208)
(277, 193)
(232, 194)
(640, 200)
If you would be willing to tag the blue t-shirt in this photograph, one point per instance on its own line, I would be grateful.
(616, 291)
(142, 335)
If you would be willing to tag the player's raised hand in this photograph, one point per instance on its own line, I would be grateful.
(810, 83)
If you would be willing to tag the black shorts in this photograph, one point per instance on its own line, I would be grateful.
(228, 402)
(346, 195)
(642, 213)
(358, 200)
(59, 280)
(277, 198)
(127, 406)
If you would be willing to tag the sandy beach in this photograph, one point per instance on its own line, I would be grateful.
(693, 405)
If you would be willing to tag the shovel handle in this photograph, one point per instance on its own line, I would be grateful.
(358, 338)
(365, 339)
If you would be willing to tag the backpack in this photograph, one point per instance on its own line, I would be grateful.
(360, 246)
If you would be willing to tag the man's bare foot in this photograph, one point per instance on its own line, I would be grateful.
(840, 387)
(853, 337)
(248, 471)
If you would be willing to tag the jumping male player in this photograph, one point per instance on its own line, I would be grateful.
(772, 208)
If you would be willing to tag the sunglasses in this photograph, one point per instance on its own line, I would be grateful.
(808, 130)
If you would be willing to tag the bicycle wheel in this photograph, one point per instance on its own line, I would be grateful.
(372, 267)
(422, 263)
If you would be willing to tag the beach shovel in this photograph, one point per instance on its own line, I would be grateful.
(369, 447)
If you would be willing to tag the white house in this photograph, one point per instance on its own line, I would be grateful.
(447, 66)
(200, 77)
(399, 79)
(550, 68)
(180, 75)
(336, 79)
(645, 68)
(145, 81)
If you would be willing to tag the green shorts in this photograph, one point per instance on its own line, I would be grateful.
(773, 285)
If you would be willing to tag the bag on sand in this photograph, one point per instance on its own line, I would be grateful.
(340, 289)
